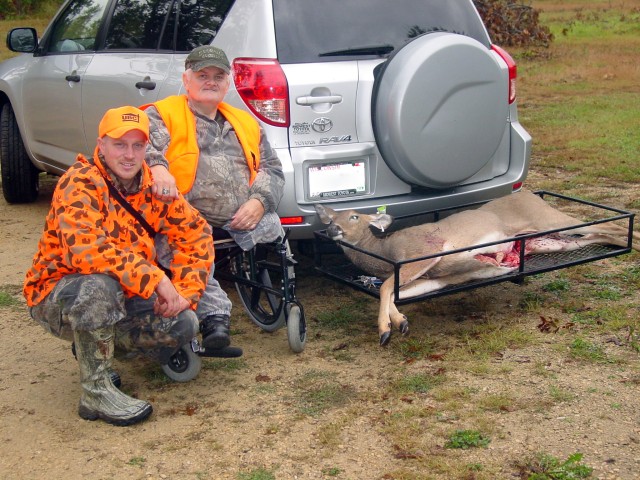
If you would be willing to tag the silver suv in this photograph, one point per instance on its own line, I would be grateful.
(367, 102)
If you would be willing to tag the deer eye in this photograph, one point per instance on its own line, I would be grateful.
(354, 217)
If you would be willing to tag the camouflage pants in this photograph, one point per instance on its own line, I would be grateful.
(214, 300)
(91, 302)
(268, 230)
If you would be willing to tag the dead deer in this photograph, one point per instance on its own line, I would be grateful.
(517, 214)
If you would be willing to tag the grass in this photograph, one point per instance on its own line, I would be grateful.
(583, 101)
(350, 317)
(418, 383)
(7, 300)
(257, 474)
(465, 439)
(39, 22)
(580, 101)
(137, 462)
(583, 349)
(229, 365)
(316, 392)
(547, 467)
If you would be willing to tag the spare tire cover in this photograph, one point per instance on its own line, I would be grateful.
(439, 109)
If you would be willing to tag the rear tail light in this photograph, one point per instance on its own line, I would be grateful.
(513, 71)
(262, 85)
(291, 220)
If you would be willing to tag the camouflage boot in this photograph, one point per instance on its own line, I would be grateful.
(115, 376)
(100, 398)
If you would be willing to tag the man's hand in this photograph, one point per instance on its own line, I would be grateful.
(169, 302)
(248, 215)
(164, 185)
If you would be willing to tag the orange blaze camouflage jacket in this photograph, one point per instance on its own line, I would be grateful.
(86, 232)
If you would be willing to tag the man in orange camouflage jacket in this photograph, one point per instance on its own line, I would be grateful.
(95, 278)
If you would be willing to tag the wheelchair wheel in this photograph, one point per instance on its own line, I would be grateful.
(184, 365)
(296, 329)
(265, 309)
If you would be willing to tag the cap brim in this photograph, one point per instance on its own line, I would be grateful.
(120, 131)
(197, 66)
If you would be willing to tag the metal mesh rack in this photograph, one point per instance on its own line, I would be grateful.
(331, 261)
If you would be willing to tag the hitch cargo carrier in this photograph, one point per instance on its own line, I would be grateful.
(331, 261)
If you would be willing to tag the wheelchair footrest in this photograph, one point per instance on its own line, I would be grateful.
(226, 352)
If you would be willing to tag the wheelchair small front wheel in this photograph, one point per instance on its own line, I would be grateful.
(184, 365)
(296, 329)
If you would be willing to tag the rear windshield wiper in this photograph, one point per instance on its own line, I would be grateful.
(367, 50)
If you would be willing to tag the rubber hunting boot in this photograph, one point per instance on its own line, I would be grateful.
(100, 399)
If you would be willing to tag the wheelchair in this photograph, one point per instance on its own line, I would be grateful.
(264, 278)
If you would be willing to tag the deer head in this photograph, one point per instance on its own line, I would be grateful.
(351, 226)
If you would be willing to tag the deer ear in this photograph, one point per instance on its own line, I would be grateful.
(326, 214)
(381, 221)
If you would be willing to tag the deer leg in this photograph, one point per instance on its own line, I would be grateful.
(398, 320)
(389, 314)
(384, 321)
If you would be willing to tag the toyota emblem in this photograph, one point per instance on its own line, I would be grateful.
(322, 124)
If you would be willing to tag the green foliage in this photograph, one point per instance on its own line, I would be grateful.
(546, 467)
(349, 316)
(466, 439)
(557, 285)
(631, 274)
(585, 350)
(137, 462)
(560, 395)
(7, 300)
(419, 383)
(257, 474)
(415, 347)
(531, 301)
(317, 400)
(226, 365)
(634, 338)
(317, 391)
(331, 471)
(20, 8)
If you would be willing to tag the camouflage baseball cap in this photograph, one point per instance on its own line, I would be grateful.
(207, 56)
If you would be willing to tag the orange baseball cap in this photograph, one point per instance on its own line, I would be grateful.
(118, 121)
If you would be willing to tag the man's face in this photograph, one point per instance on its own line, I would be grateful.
(124, 155)
(208, 85)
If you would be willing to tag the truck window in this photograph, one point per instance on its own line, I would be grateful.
(151, 25)
(76, 29)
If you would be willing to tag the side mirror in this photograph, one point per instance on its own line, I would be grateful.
(22, 40)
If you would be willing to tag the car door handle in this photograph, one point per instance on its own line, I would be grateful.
(146, 85)
(72, 78)
(310, 100)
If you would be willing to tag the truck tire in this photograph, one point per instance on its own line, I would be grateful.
(19, 176)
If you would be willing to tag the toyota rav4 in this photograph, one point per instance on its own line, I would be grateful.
(402, 103)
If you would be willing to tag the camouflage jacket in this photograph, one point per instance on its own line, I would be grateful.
(222, 178)
(86, 231)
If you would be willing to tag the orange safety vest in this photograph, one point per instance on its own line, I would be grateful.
(183, 151)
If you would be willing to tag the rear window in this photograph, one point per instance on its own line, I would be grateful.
(324, 31)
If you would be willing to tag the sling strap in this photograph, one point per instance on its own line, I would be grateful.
(115, 193)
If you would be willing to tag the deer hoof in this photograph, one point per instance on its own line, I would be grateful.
(404, 327)
(384, 339)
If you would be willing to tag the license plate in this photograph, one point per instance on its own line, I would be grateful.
(333, 180)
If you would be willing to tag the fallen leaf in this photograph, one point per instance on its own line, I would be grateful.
(548, 326)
